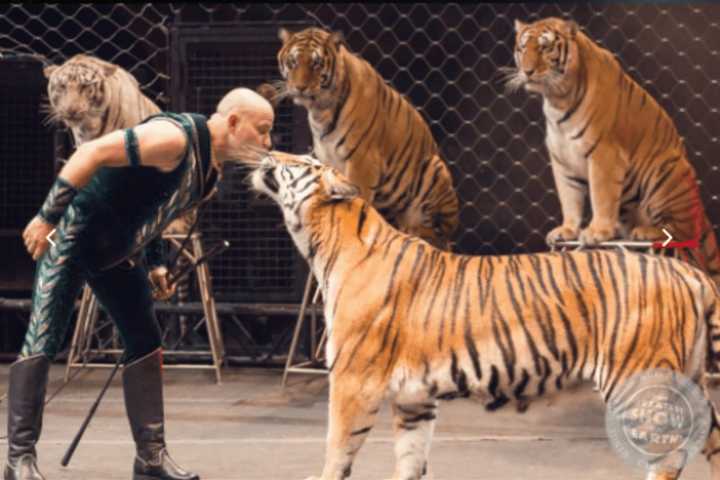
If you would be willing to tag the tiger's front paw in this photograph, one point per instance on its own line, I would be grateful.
(647, 233)
(592, 235)
(561, 233)
(313, 478)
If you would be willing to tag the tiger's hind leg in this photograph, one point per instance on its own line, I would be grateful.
(712, 446)
(413, 424)
(654, 475)
(647, 233)
(669, 468)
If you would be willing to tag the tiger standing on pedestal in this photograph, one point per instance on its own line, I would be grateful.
(606, 134)
(371, 133)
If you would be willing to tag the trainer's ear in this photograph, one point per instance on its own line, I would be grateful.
(47, 71)
(338, 187)
(519, 25)
(336, 39)
(284, 35)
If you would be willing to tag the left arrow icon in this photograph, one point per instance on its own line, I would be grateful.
(50, 235)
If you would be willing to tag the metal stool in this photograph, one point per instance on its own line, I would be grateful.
(312, 365)
(87, 326)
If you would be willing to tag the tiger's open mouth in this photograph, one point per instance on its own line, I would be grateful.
(268, 179)
(72, 119)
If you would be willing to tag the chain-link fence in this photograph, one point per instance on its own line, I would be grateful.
(445, 59)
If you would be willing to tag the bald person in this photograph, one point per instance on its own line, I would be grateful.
(115, 195)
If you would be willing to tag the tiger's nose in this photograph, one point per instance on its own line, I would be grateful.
(529, 71)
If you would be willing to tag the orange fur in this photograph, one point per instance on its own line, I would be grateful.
(371, 133)
(610, 140)
(419, 324)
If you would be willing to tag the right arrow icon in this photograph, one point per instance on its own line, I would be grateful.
(669, 238)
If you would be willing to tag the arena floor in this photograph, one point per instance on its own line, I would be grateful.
(248, 429)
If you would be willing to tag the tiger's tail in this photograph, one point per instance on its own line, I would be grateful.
(712, 319)
(711, 253)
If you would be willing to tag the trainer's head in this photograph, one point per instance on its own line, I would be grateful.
(243, 119)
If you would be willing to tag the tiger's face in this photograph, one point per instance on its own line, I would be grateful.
(77, 92)
(545, 53)
(298, 183)
(308, 61)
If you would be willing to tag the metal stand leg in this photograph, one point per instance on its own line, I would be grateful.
(217, 346)
(315, 346)
(87, 316)
(81, 347)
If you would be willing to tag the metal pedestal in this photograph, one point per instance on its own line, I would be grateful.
(315, 364)
(86, 343)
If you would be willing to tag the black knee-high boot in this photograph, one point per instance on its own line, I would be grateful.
(26, 399)
(142, 382)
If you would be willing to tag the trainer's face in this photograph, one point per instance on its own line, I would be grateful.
(252, 128)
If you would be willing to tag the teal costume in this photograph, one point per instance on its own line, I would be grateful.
(101, 232)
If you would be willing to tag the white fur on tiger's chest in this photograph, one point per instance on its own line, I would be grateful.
(326, 153)
(82, 135)
(88, 130)
(568, 151)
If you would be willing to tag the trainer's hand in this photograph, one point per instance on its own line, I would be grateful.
(35, 237)
(160, 284)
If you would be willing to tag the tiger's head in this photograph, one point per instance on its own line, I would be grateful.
(298, 184)
(308, 62)
(546, 55)
(78, 93)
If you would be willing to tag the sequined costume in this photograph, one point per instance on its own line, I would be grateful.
(101, 231)
(102, 234)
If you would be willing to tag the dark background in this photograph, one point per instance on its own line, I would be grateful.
(443, 57)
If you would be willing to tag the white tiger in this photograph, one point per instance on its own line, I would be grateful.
(93, 97)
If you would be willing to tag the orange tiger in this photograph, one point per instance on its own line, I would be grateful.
(419, 324)
(606, 134)
(369, 131)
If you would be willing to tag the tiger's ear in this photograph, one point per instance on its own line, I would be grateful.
(108, 68)
(269, 93)
(47, 71)
(519, 25)
(571, 28)
(284, 35)
(338, 187)
(336, 39)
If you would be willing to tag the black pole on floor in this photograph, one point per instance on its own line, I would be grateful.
(91, 413)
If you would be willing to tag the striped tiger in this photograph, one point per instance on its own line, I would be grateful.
(606, 134)
(420, 324)
(366, 129)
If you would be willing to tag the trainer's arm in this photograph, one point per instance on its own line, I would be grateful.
(154, 144)
(159, 144)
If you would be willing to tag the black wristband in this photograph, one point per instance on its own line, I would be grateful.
(57, 200)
